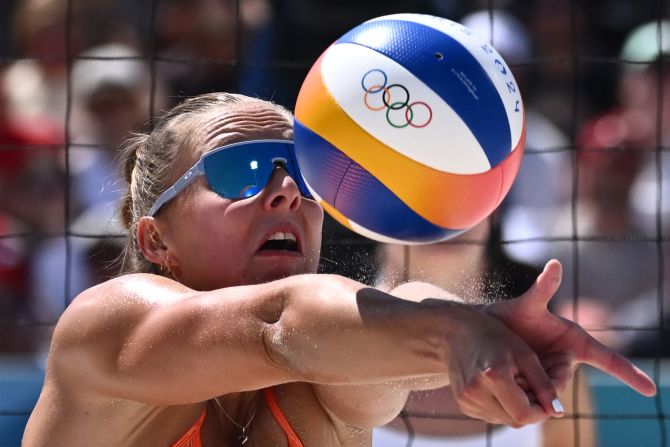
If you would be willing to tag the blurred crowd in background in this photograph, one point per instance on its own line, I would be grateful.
(77, 76)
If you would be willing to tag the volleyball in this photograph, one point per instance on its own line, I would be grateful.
(409, 129)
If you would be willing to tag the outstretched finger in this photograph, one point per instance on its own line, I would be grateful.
(546, 284)
(616, 365)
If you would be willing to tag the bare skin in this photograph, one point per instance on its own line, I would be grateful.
(135, 360)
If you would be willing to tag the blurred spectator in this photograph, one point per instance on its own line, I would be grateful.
(32, 191)
(31, 150)
(35, 82)
(34, 180)
(31, 204)
(645, 84)
(38, 180)
(472, 266)
(645, 49)
(621, 262)
(37, 79)
(112, 95)
(647, 46)
(614, 263)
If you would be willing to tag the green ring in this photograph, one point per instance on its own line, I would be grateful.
(388, 110)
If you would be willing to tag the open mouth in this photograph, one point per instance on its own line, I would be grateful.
(282, 242)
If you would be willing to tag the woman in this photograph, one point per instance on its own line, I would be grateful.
(226, 337)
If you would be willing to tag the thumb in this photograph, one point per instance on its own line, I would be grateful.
(546, 285)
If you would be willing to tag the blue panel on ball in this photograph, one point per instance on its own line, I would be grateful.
(358, 195)
(413, 46)
(322, 167)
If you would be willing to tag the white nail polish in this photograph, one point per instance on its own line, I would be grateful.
(558, 407)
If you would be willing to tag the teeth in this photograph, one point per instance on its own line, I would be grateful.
(279, 236)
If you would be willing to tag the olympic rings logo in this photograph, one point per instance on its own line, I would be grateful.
(395, 98)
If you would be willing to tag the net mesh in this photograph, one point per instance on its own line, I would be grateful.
(62, 82)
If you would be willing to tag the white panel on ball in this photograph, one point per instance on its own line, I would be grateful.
(460, 154)
(496, 67)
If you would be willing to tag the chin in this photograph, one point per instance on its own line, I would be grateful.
(279, 271)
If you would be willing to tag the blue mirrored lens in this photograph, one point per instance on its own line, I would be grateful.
(243, 171)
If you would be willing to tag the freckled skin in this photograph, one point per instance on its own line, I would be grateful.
(135, 361)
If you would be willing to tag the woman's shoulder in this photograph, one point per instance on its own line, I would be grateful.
(118, 302)
(131, 288)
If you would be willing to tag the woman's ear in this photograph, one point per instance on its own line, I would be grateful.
(149, 241)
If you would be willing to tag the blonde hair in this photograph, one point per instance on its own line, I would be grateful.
(148, 161)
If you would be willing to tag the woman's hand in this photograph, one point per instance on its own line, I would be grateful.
(487, 364)
(559, 343)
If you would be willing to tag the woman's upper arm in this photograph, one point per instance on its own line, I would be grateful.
(149, 339)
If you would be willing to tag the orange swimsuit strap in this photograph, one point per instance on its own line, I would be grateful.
(291, 436)
(192, 437)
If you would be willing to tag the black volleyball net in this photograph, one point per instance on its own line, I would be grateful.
(77, 76)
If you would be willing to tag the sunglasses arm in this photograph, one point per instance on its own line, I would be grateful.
(179, 185)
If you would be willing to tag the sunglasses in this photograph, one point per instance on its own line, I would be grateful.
(239, 170)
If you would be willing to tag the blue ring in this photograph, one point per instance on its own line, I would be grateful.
(381, 87)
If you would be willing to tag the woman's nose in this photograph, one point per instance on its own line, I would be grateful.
(281, 192)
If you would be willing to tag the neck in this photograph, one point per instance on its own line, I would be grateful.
(236, 412)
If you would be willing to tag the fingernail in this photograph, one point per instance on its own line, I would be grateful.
(558, 407)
